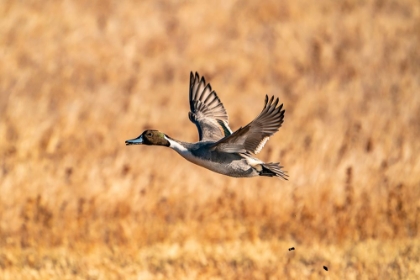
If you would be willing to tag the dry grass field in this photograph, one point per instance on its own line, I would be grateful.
(77, 78)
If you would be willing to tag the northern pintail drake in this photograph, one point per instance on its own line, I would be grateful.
(219, 149)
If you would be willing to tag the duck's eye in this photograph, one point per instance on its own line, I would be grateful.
(149, 134)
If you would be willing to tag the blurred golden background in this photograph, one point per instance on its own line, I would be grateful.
(77, 78)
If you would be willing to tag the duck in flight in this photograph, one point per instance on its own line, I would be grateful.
(219, 149)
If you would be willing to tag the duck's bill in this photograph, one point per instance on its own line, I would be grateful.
(135, 141)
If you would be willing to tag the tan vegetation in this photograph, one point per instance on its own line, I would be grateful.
(77, 78)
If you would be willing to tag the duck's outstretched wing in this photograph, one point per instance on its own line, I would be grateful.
(207, 112)
(252, 138)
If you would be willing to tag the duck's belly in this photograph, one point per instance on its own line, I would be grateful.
(234, 165)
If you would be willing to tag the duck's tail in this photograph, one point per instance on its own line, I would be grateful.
(273, 169)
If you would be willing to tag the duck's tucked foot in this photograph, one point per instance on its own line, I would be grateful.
(273, 169)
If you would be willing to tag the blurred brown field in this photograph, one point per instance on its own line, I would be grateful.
(77, 78)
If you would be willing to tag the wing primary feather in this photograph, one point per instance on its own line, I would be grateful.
(253, 137)
(206, 110)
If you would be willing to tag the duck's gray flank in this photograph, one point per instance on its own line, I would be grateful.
(218, 149)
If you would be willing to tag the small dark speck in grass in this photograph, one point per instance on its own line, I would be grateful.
(326, 268)
(291, 248)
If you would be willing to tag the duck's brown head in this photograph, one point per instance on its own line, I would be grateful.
(149, 137)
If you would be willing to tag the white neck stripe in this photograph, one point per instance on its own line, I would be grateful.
(176, 146)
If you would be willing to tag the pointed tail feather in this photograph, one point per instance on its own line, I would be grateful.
(273, 169)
